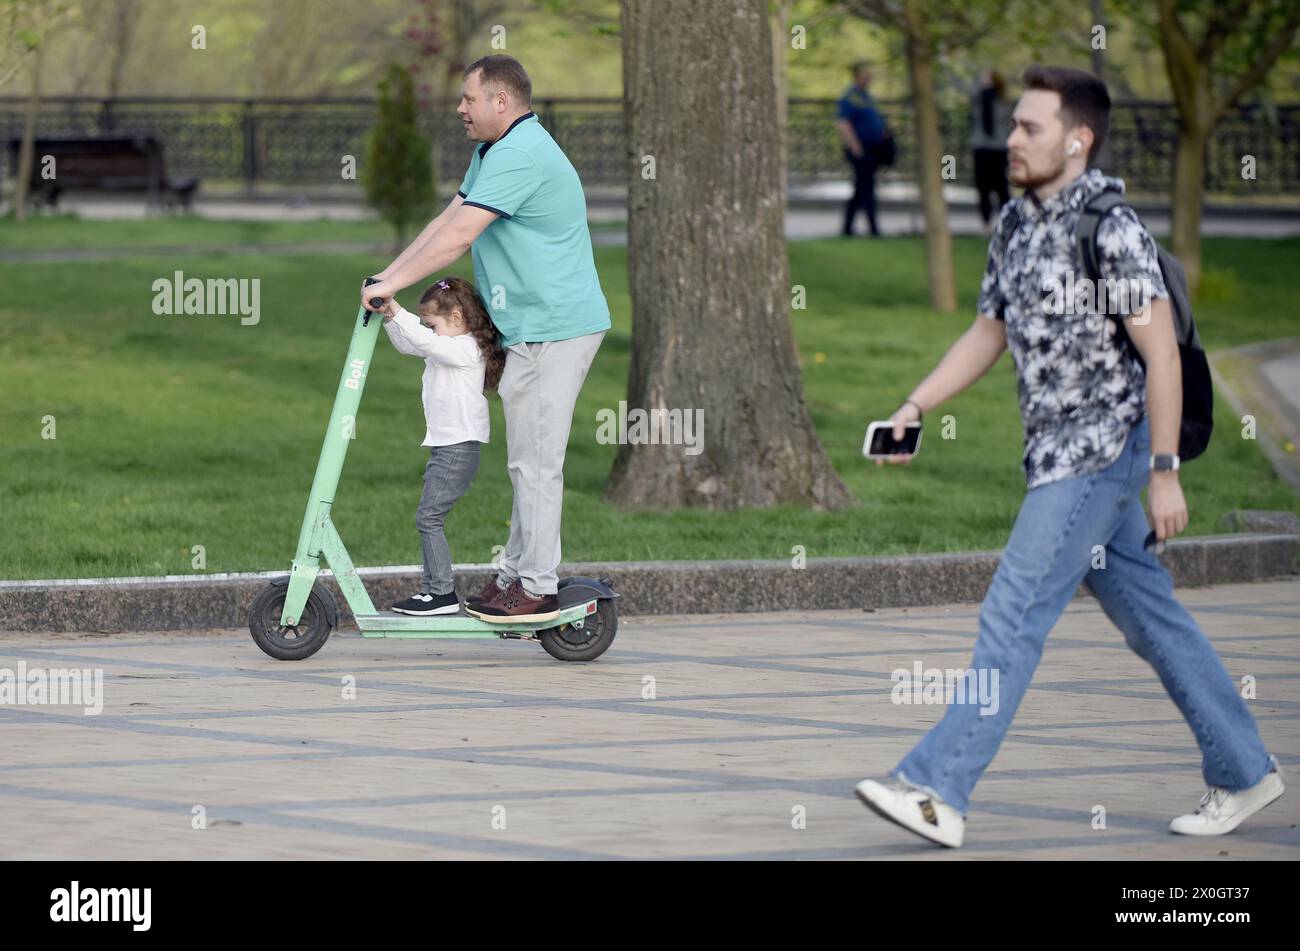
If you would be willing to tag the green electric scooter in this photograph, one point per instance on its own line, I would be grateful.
(291, 618)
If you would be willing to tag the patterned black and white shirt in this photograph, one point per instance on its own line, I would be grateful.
(1082, 388)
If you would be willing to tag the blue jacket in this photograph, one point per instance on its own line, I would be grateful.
(859, 108)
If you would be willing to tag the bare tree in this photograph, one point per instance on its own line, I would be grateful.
(290, 47)
(707, 267)
(469, 17)
(443, 36)
(36, 22)
(14, 45)
(124, 19)
(101, 50)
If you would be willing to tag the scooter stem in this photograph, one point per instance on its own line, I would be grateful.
(339, 433)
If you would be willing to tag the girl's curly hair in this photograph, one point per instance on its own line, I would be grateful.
(457, 293)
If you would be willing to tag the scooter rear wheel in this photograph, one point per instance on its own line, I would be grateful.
(299, 641)
(588, 642)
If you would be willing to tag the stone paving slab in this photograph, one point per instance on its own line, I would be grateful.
(755, 718)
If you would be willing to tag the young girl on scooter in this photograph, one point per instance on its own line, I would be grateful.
(462, 359)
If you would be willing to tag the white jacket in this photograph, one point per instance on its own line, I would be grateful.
(455, 409)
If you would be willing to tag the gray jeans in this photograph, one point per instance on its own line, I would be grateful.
(447, 476)
(539, 390)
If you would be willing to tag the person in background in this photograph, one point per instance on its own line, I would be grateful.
(989, 127)
(861, 129)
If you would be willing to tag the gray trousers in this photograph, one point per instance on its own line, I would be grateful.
(447, 476)
(539, 389)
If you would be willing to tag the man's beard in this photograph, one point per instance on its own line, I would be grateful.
(1030, 182)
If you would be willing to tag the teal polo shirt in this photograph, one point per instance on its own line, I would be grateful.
(533, 264)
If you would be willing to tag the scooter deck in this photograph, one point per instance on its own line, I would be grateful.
(390, 624)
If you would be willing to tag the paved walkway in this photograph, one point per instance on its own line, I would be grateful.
(1284, 373)
(755, 720)
(1262, 380)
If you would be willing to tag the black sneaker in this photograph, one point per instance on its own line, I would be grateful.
(426, 604)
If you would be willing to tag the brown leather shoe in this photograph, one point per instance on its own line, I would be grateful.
(515, 604)
(490, 591)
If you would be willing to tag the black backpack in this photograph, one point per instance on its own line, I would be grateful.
(885, 150)
(1198, 390)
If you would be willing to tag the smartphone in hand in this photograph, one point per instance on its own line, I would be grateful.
(880, 442)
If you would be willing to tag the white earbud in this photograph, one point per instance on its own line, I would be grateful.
(1074, 147)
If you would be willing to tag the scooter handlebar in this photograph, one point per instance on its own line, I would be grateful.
(375, 302)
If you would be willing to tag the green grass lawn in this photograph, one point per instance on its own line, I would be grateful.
(70, 232)
(174, 432)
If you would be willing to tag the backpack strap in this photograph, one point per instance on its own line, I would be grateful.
(1012, 225)
(1085, 233)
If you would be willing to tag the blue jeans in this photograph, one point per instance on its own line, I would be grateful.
(1051, 550)
(447, 476)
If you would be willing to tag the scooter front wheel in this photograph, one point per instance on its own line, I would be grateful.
(588, 642)
(302, 639)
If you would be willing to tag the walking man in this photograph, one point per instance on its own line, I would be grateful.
(861, 128)
(990, 118)
(522, 211)
(1098, 428)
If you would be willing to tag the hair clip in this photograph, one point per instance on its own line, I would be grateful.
(444, 285)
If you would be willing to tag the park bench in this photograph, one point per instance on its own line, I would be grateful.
(133, 163)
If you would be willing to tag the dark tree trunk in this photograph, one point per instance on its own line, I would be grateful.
(929, 159)
(707, 266)
(26, 150)
(1189, 194)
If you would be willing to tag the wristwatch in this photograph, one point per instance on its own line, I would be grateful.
(1164, 462)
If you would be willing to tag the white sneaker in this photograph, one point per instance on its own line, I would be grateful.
(1221, 811)
(914, 810)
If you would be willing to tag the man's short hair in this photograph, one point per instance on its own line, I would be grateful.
(503, 72)
(1084, 99)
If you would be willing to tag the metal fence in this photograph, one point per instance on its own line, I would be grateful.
(301, 143)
